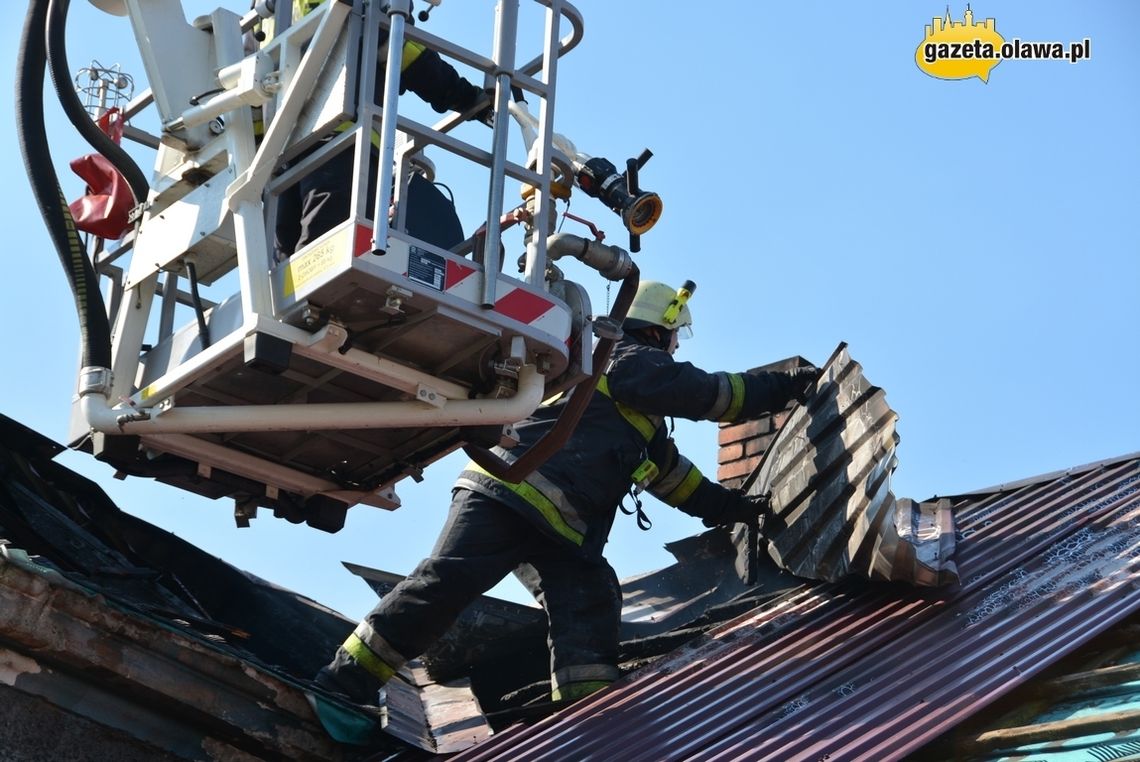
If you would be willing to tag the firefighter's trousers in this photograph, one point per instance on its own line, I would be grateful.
(482, 541)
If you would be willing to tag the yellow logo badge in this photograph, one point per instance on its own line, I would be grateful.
(959, 49)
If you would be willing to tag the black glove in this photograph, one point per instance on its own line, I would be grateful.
(803, 383)
(440, 85)
(741, 509)
(468, 96)
(486, 115)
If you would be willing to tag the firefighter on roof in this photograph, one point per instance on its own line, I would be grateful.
(551, 528)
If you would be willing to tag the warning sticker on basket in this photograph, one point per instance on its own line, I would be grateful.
(426, 268)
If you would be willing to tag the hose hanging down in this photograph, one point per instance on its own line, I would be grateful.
(94, 328)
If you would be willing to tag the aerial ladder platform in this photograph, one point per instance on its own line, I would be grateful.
(321, 377)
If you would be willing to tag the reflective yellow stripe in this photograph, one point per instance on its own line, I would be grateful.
(584, 673)
(365, 658)
(639, 421)
(736, 381)
(685, 489)
(670, 479)
(575, 691)
(346, 126)
(378, 646)
(304, 7)
(411, 52)
(541, 503)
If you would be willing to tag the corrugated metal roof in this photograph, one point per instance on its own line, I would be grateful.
(1085, 708)
(855, 671)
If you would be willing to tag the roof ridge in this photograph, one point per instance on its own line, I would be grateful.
(1042, 478)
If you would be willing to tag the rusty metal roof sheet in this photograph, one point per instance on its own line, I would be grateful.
(828, 472)
(855, 671)
(1085, 707)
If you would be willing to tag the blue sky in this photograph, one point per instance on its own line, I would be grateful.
(975, 244)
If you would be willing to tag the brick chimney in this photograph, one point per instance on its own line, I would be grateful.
(743, 444)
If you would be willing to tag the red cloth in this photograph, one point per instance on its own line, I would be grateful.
(106, 206)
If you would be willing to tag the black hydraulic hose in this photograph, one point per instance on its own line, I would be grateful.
(203, 329)
(73, 107)
(94, 328)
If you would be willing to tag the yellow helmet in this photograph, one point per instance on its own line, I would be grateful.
(658, 304)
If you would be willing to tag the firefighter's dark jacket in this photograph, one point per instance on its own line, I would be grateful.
(575, 495)
(421, 70)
